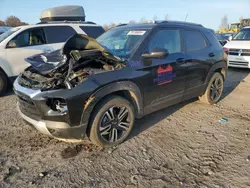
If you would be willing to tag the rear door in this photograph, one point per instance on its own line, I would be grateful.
(166, 82)
(199, 60)
(28, 43)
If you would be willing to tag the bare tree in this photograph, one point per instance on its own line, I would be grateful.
(241, 18)
(106, 27)
(24, 23)
(224, 22)
(14, 21)
(155, 18)
(166, 17)
(112, 25)
(132, 22)
(143, 20)
(2, 23)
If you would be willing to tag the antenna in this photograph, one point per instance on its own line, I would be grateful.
(186, 17)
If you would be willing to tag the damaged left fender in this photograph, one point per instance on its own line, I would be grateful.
(128, 87)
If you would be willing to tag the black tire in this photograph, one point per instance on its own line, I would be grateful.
(103, 131)
(213, 91)
(3, 83)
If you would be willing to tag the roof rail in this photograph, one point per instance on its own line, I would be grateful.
(66, 21)
(121, 25)
(177, 22)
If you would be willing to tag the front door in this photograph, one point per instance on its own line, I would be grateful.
(166, 83)
(27, 43)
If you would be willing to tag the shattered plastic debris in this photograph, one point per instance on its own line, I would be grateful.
(248, 158)
(134, 180)
(223, 120)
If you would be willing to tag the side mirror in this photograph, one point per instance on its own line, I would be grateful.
(11, 44)
(158, 53)
(230, 38)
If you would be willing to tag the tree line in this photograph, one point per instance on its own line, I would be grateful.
(225, 24)
(142, 20)
(12, 21)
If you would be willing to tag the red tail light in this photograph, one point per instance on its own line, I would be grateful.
(226, 50)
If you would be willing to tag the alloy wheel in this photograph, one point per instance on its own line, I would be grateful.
(216, 89)
(114, 124)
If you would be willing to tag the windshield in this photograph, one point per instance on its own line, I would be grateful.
(122, 42)
(7, 34)
(244, 34)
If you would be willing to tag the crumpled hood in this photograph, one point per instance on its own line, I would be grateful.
(47, 62)
(82, 42)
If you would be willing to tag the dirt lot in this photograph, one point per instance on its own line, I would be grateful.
(181, 146)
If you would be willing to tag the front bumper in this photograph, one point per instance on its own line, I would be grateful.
(58, 130)
(32, 108)
(239, 61)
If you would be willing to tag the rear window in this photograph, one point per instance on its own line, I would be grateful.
(58, 34)
(93, 31)
(193, 40)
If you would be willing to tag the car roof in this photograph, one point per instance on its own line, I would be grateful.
(162, 23)
(58, 23)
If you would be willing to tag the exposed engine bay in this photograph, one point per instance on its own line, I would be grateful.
(81, 57)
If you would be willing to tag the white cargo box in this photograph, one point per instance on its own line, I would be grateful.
(63, 13)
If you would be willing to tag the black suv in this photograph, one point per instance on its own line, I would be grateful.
(99, 87)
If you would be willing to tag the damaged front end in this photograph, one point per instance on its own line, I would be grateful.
(47, 92)
(80, 58)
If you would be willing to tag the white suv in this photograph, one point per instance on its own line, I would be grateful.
(22, 42)
(239, 49)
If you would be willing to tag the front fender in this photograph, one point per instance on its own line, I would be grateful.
(96, 97)
(4, 65)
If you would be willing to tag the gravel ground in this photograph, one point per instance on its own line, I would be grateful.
(181, 146)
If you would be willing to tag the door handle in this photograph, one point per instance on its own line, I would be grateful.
(211, 54)
(181, 61)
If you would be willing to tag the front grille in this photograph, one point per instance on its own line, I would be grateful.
(239, 52)
(237, 63)
(27, 107)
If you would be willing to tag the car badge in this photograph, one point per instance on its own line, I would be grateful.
(240, 52)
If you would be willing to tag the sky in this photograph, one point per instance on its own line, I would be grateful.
(206, 12)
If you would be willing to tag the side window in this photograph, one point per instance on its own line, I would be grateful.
(59, 34)
(193, 40)
(37, 37)
(212, 39)
(93, 31)
(166, 39)
(30, 37)
(22, 39)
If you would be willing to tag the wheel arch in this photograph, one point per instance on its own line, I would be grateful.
(1, 70)
(6, 76)
(126, 89)
(220, 67)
